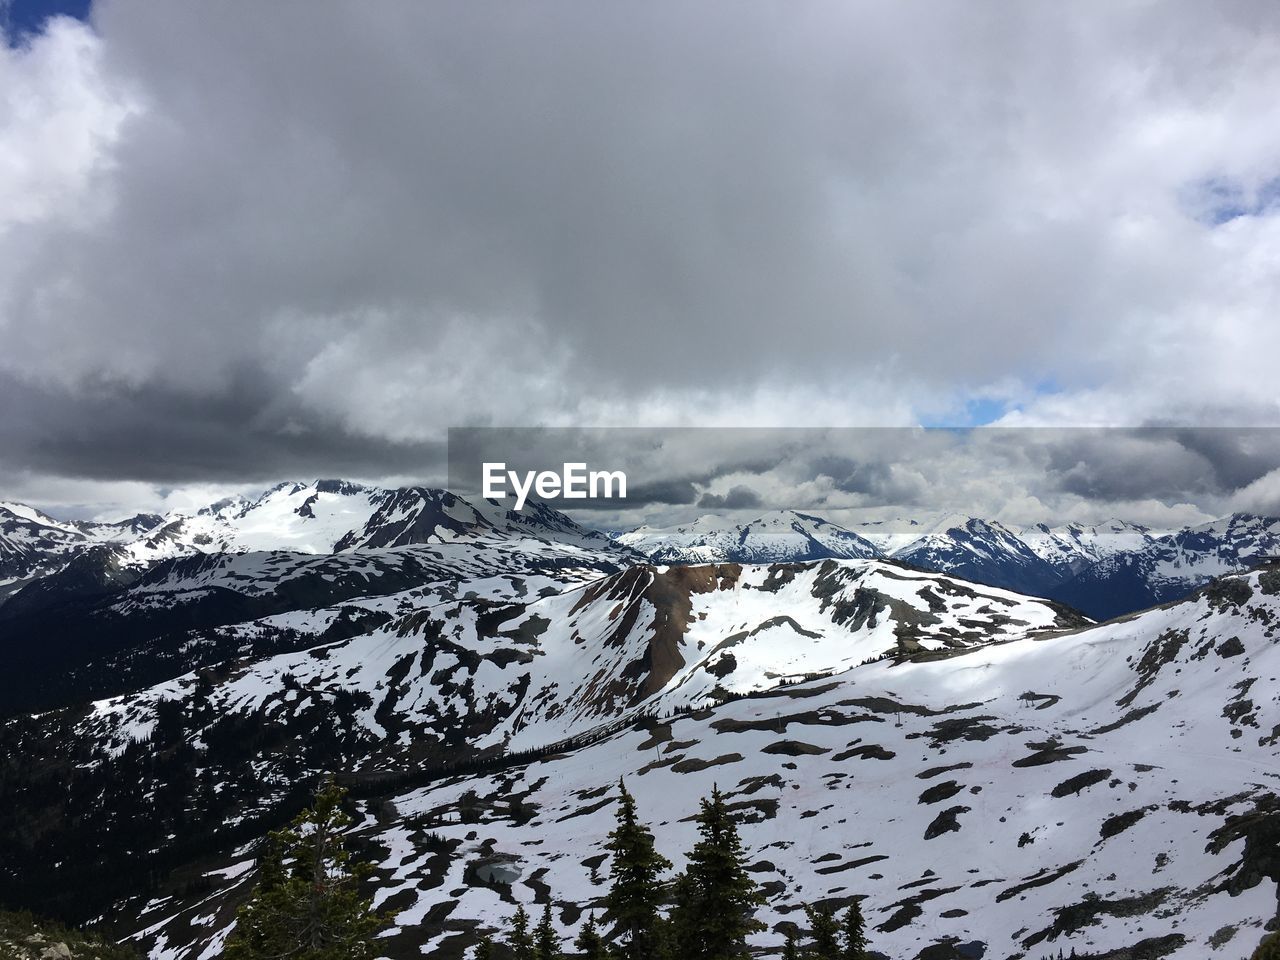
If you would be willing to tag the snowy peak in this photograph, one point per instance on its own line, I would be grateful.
(33, 544)
(1105, 569)
(1168, 567)
(1238, 536)
(332, 516)
(317, 518)
(983, 551)
(1072, 547)
(782, 536)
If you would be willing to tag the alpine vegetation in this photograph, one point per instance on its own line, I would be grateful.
(705, 912)
(307, 901)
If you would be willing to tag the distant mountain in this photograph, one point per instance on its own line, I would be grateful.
(890, 536)
(33, 544)
(785, 535)
(319, 517)
(1169, 567)
(1072, 547)
(984, 551)
(964, 546)
(94, 615)
(335, 516)
(1105, 569)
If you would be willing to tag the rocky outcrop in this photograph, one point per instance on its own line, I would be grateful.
(23, 937)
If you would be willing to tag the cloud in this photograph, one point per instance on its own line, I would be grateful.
(305, 239)
(1262, 496)
(1158, 476)
(738, 498)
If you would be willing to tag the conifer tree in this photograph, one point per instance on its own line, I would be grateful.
(589, 943)
(546, 945)
(484, 949)
(520, 941)
(789, 948)
(307, 903)
(1268, 949)
(715, 896)
(825, 932)
(854, 936)
(663, 941)
(636, 871)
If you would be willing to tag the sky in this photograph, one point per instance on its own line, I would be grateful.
(246, 242)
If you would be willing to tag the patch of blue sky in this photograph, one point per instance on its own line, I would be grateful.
(973, 412)
(1219, 200)
(983, 409)
(20, 20)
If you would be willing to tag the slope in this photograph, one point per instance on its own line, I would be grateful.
(1110, 791)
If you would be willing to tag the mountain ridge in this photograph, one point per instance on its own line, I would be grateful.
(1106, 569)
(886, 732)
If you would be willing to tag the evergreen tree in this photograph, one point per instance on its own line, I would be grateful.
(636, 871)
(825, 931)
(484, 949)
(1268, 949)
(855, 940)
(307, 903)
(663, 941)
(789, 948)
(589, 943)
(546, 945)
(520, 941)
(715, 896)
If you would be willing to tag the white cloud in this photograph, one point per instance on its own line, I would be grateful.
(61, 113)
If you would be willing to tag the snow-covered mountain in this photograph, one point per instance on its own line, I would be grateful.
(982, 550)
(1072, 547)
(1105, 569)
(33, 544)
(316, 518)
(673, 638)
(334, 516)
(1169, 567)
(95, 617)
(966, 546)
(997, 777)
(781, 536)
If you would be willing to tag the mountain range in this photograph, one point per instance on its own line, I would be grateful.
(92, 609)
(1105, 570)
(996, 773)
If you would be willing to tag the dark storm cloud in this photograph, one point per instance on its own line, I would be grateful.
(852, 476)
(1236, 456)
(1166, 463)
(738, 498)
(167, 437)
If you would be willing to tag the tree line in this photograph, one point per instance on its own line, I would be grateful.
(309, 902)
(706, 912)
